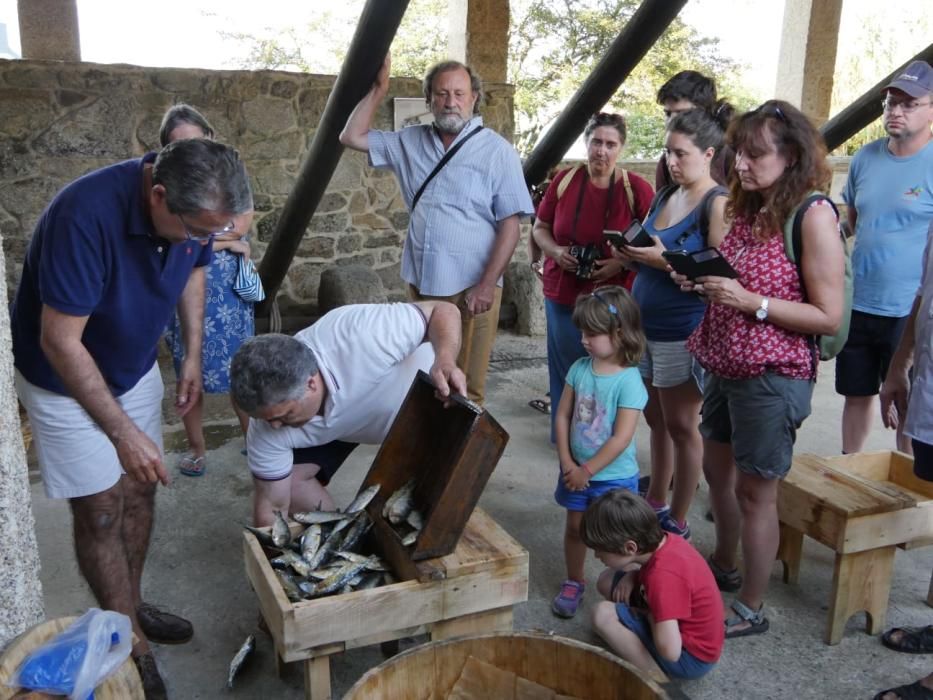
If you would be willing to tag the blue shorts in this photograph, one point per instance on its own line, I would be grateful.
(580, 500)
(687, 666)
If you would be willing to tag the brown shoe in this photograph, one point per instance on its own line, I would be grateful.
(162, 627)
(153, 686)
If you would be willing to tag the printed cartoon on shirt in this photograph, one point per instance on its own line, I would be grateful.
(589, 422)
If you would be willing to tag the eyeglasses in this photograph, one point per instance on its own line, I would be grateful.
(890, 105)
(202, 235)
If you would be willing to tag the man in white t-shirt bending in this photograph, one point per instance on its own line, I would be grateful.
(313, 397)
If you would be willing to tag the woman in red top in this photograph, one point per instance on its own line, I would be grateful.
(575, 214)
(755, 341)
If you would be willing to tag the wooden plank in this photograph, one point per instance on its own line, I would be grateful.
(484, 543)
(273, 603)
(499, 620)
(805, 512)
(838, 491)
(886, 529)
(317, 678)
(790, 551)
(902, 474)
(861, 581)
(874, 465)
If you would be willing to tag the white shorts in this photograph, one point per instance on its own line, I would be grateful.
(667, 364)
(76, 458)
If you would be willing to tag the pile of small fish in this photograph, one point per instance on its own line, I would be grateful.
(400, 512)
(323, 560)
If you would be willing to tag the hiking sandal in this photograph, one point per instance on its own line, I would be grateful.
(189, 465)
(911, 640)
(726, 581)
(756, 618)
(911, 691)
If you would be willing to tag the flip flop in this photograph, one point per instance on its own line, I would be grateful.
(911, 691)
(540, 405)
(913, 640)
(191, 466)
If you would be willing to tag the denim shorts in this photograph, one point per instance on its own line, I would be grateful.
(669, 364)
(759, 417)
(687, 666)
(580, 500)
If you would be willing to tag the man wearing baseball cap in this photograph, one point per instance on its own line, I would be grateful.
(889, 194)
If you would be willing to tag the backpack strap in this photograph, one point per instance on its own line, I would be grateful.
(629, 195)
(705, 205)
(566, 180)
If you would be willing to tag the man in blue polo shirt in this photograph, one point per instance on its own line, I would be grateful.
(111, 257)
(464, 221)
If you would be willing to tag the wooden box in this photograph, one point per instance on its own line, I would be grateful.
(450, 452)
(469, 591)
(863, 506)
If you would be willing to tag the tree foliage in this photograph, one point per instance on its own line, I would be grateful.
(553, 47)
(555, 44)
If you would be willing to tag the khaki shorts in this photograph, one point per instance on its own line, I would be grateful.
(75, 457)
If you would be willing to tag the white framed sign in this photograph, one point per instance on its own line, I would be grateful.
(410, 111)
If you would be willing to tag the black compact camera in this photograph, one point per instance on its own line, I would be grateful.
(586, 255)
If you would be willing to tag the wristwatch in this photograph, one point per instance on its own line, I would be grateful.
(761, 313)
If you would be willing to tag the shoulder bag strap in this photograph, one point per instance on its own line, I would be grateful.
(565, 181)
(629, 195)
(443, 161)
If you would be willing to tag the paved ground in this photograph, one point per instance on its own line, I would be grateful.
(195, 566)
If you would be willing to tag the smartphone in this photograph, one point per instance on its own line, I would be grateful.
(635, 236)
(708, 261)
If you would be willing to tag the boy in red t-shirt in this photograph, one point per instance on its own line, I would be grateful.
(662, 608)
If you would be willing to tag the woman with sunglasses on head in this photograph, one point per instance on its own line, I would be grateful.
(756, 341)
(688, 216)
(228, 319)
(580, 203)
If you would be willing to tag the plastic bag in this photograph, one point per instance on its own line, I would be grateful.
(80, 658)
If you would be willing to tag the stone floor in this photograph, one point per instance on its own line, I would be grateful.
(195, 566)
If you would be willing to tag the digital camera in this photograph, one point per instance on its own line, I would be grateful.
(586, 255)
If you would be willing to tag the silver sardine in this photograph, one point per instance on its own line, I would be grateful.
(401, 504)
(281, 535)
(239, 658)
(319, 517)
(362, 499)
(311, 542)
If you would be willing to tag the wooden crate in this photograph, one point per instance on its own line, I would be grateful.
(470, 591)
(862, 506)
(560, 664)
(450, 452)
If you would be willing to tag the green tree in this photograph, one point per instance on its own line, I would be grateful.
(555, 44)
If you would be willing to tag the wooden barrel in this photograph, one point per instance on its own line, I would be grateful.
(566, 666)
(122, 684)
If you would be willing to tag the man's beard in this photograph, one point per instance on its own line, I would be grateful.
(449, 122)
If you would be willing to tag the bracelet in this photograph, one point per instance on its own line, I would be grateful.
(585, 467)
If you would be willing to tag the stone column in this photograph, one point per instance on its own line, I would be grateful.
(48, 29)
(479, 36)
(808, 55)
(20, 589)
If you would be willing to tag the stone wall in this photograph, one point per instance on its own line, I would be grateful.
(60, 120)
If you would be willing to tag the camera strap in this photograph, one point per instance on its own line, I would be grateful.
(609, 193)
(443, 161)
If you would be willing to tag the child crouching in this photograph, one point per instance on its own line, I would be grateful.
(662, 608)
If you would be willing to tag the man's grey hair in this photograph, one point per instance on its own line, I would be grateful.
(476, 84)
(202, 175)
(180, 114)
(270, 369)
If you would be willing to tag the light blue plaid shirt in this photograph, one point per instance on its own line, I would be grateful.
(452, 232)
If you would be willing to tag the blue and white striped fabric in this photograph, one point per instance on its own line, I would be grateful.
(452, 231)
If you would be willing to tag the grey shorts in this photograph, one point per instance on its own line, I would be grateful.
(667, 364)
(759, 417)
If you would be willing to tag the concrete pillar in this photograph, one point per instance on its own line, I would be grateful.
(48, 29)
(808, 55)
(479, 36)
(20, 589)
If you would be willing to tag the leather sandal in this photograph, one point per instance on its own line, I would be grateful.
(727, 581)
(910, 640)
(192, 466)
(911, 691)
(758, 623)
